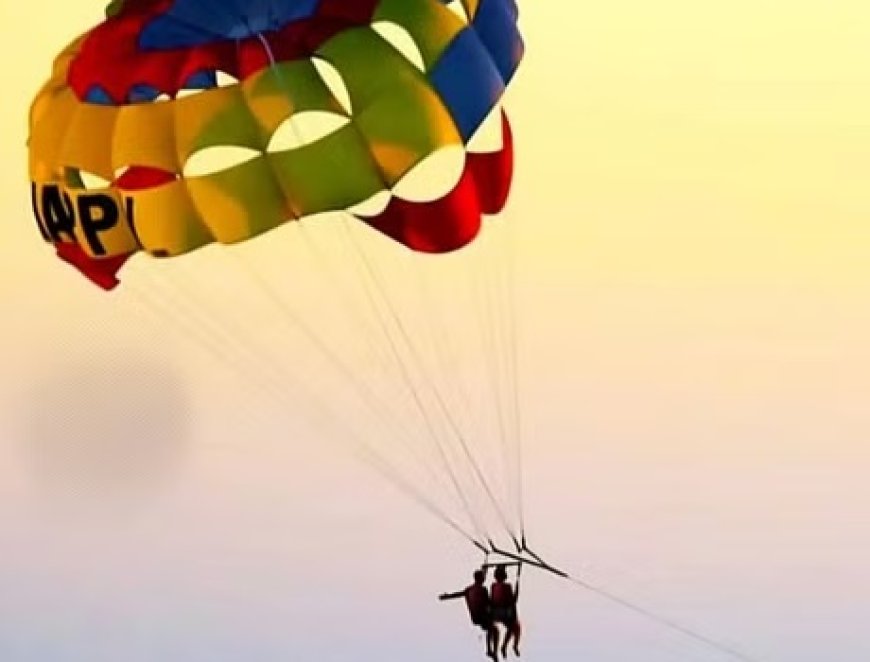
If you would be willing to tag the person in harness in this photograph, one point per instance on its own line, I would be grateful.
(478, 602)
(503, 601)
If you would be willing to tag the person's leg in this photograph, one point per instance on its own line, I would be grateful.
(493, 638)
(509, 634)
(487, 633)
(518, 630)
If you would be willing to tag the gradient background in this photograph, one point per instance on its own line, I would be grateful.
(693, 210)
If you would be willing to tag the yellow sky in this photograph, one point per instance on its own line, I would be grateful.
(731, 141)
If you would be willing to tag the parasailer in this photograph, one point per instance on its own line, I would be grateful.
(479, 605)
(504, 598)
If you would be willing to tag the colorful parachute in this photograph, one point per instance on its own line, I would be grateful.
(112, 111)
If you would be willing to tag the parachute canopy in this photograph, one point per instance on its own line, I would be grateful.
(324, 105)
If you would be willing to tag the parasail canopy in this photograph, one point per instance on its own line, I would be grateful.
(325, 105)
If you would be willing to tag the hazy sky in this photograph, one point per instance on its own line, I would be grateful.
(692, 214)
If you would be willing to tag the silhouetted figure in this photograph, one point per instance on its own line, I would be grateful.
(479, 609)
(503, 600)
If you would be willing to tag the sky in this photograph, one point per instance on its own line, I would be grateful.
(690, 212)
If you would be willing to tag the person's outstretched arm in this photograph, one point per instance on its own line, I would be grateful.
(451, 596)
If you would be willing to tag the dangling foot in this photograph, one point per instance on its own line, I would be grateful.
(516, 650)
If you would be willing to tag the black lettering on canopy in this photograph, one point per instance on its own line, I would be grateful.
(131, 223)
(58, 214)
(34, 203)
(98, 212)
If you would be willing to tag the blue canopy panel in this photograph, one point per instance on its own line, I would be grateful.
(190, 23)
(141, 93)
(474, 70)
(496, 25)
(468, 82)
(97, 95)
(201, 80)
